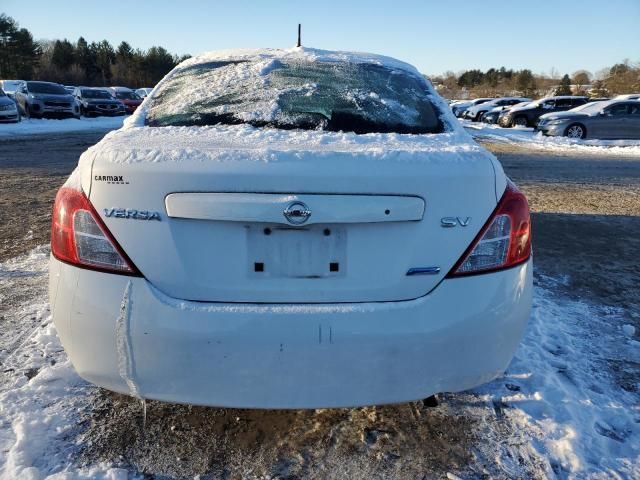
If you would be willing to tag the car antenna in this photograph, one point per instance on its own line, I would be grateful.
(299, 35)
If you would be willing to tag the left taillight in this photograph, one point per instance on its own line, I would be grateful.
(79, 237)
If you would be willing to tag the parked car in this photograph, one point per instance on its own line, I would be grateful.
(69, 88)
(527, 116)
(38, 99)
(10, 86)
(614, 119)
(476, 112)
(267, 257)
(143, 92)
(127, 96)
(492, 115)
(8, 109)
(459, 108)
(96, 101)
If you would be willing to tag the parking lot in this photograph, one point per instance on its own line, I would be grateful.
(567, 404)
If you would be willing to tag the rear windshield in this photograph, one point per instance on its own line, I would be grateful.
(124, 95)
(304, 94)
(50, 88)
(95, 94)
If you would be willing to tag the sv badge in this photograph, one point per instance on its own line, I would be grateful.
(450, 222)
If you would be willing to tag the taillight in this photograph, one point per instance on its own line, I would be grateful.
(504, 241)
(79, 237)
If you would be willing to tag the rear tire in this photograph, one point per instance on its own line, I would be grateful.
(479, 116)
(576, 130)
(520, 121)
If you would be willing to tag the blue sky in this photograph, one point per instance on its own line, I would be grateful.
(436, 36)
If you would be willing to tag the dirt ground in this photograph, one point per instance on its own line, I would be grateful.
(586, 224)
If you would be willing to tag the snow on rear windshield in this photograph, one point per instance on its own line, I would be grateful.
(305, 94)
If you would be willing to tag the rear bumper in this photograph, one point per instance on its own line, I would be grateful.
(124, 335)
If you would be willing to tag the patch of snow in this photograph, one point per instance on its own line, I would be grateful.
(42, 126)
(42, 399)
(126, 367)
(629, 330)
(529, 138)
(563, 393)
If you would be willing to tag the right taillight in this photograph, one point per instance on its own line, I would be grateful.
(503, 242)
(79, 237)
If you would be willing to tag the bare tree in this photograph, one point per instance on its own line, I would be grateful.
(581, 81)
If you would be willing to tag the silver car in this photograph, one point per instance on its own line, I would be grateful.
(39, 99)
(8, 109)
(144, 92)
(613, 119)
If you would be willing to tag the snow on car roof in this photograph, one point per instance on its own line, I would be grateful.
(310, 54)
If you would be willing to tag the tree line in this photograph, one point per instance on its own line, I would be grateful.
(99, 63)
(80, 62)
(621, 78)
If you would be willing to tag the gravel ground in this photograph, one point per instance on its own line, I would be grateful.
(31, 171)
(586, 231)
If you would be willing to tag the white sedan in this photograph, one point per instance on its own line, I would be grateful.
(290, 229)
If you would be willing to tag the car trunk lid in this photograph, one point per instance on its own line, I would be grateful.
(245, 215)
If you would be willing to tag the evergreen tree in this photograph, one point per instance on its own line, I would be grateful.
(526, 82)
(471, 78)
(158, 63)
(565, 86)
(86, 60)
(105, 56)
(63, 55)
(18, 52)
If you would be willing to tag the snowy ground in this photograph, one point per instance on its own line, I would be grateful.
(556, 413)
(527, 137)
(40, 126)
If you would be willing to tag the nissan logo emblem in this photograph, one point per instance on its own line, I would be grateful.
(297, 213)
